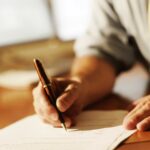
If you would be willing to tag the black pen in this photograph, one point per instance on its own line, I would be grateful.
(48, 88)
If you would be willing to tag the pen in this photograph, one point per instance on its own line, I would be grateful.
(48, 88)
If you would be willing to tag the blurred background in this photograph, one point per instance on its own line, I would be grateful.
(45, 29)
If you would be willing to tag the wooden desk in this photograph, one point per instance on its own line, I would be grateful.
(19, 57)
(16, 104)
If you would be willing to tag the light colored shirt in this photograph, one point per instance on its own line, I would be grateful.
(114, 25)
(149, 14)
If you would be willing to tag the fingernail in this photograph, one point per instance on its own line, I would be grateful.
(61, 105)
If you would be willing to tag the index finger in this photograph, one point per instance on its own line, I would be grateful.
(67, 98)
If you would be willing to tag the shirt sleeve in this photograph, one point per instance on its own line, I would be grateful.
(106, 37)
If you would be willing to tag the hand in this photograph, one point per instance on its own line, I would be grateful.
(69, 102)
(92, 79)
(139, 116)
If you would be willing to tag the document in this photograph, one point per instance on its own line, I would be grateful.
(95, 130)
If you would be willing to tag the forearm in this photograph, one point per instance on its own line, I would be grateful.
(96, 75)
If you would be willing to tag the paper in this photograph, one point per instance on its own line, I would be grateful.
(95, 130)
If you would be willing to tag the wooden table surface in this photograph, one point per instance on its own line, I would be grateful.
(17, 103)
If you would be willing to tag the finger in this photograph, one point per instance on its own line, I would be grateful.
(36, 94)
(48, 110)
(133, 105)
(45, 110)
(135, 116)
(61, 80)
(62, 83)
(50, 116)
(67, 98)
(144, 124)
(130, 107)
(68, 122)
(59, 85)
(51, 122)
(143, 103)
(42, 105)
(36, 91)
(39, 93)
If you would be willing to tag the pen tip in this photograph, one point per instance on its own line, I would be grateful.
(64, 126)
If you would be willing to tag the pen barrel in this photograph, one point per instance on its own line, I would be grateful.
(52, 99)
(49, 87)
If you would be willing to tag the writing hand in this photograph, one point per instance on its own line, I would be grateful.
(69, 102)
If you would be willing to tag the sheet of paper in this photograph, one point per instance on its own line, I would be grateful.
(98, 130)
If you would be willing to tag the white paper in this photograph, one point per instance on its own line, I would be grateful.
(95, 130)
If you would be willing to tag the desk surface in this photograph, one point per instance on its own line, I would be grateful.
(16, 104)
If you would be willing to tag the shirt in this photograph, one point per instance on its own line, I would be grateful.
(149, 14)
(112, 26)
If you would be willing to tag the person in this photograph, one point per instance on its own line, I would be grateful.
(118, 36)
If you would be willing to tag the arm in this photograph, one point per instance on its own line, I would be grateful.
(96, 75)
(99, 53)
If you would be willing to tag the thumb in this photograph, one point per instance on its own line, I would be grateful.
(67, 98)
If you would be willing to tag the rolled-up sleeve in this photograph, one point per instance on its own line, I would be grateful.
(106, 37)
